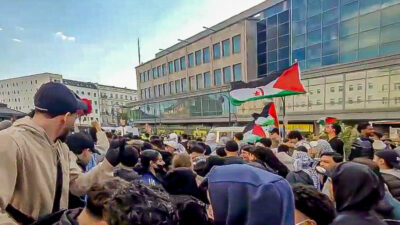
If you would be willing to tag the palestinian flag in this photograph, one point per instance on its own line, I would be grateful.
(268, 118)
(328, 120)
(278, 84)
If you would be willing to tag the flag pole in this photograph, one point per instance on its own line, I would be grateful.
(283, 133)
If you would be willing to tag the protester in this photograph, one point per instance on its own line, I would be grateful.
(264, 142)
(141, 204)
(321, 147)
(303, 172)
(275, 138)
(211, 140)
(232, 153)
(129, 159)
(171, 146)
(238, 138)
(329, 161)
(362, 146)
(206, 147)
(244, 154)
(179, 147)
(182, 180)
(150, 168)
(184, 141)
(99, 137)
(284, 157)
(296, 139)
(312, 207)
(333, 130)
(356, 190)
(197, 157)
(220, 152)
(271, 162)
(389, 164)
(36, 167)
(211, 162)
(229, 189)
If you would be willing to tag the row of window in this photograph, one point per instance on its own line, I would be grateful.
(385, 87)
(350, 100)
(194, 59)
(196, 82)
(16, 84)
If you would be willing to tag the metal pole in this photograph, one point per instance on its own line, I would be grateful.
(229, 109)
(283, 116)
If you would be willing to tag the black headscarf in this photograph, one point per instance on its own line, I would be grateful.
(356, 187)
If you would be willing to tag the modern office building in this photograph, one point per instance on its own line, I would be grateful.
(18, 94)
(348, 50)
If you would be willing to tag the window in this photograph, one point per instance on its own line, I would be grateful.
(94, 94)
(156, 91)
(332, 101)
(192, 83)
(154, 73)
(237, 72)
(148, 74)
(183, 83)
(351, 87)
(88, 93)
(359, 87)
(199, 81)
(165, 90)
(340, 88)
(191, 60)
(164, 69)
(183, 63)
(84, 93)
(177, 86)
(385, 100)
(97, 111)
(176, 65)
(95, 102)
(206, 55)
(332, 89)
(226, 47)
(385, 87)
(171, 67)
(236, 44)
(227, 74)
(159, 72)
(319, 102)
(396, 86)
(198, 57)
(350, 100)
(318, 91)
(370, 86)
(171, 87)
(207, 80)
(397, 100)
(358, 99)
(217, 51)
(217, 77)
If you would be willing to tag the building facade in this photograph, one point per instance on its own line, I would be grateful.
(18, 94)
(113, 101)
(348, 51)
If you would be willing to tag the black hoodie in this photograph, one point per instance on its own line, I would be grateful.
(357, 190)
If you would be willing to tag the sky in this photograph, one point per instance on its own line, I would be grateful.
(96, 40)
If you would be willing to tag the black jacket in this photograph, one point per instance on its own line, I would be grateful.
(357, 190)
(392, 180)
(182, 181)
(362, 147)
(337, 145)
(233, 160)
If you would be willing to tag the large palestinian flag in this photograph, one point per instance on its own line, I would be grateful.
(277, 84)
(267, 119)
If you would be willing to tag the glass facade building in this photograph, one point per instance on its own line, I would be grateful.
(326, 32)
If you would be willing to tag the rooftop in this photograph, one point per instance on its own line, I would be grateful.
(79, 84)
(9, 112)
(247, 14)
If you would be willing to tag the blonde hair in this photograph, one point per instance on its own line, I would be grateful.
(181, 160)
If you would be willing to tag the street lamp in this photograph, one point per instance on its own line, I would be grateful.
(222, 100)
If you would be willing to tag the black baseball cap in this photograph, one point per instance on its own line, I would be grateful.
(390, 156)
(57, 99)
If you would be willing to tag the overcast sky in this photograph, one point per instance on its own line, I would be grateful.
(96, 40)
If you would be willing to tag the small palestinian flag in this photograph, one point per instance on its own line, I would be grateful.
(328, 120)
(254, 130)
(278, 84)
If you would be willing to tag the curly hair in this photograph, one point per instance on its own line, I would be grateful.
(142, 204)
(313, 204)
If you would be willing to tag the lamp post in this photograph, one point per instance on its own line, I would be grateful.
(222, 100)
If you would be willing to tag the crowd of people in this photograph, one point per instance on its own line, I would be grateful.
(52, 173)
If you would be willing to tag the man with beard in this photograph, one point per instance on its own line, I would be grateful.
(329, 161)
(37, 169)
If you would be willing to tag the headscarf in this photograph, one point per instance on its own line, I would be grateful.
(322, 147)
(303, 162)
(356, 187)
